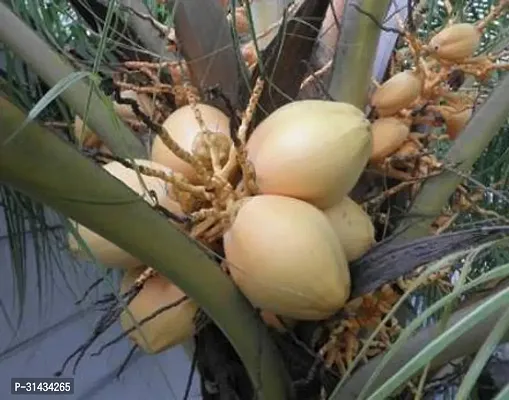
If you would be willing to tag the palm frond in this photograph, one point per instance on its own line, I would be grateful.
(66, 31)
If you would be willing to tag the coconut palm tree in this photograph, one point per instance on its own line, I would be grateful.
(66, 58)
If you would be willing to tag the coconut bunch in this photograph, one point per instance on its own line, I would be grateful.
(428, 93)
(275, 205)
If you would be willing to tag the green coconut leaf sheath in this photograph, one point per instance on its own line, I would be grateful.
(52, 68)
(355, 54)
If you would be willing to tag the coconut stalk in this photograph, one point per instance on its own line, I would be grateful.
(356, 50)
(52, 68)
(484, 125)
(39, 164)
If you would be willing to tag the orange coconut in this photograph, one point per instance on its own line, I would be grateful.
(353, 227)
(456, 42)
(398, 92)
(388, 135)
(285, 257)
(455, 120)
(185, 130)
(169, 328)
(313, 150)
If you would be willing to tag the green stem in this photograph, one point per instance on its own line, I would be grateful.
(44, 167)
(356, 51)
(467, 148)
(51, 67)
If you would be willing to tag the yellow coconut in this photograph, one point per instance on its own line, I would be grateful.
(277, 322)
(456, 42)
(388, 135)
(169, 328)
(185, 130)
(105, 251)
(313, 150)
(353, 227)
(285, 257)
(398, 92)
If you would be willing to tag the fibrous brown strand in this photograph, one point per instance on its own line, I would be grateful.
(177, 181)
(181, 153)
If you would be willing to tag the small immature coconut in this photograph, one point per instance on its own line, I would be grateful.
(313, 150)
(185, 130)
(455, 120)
(398, 92)
(241, 21)
(249, 55)
(284, 255)
(105, 251)
(169, 328)
(353, 227)
(124, 111)
(388, 135)
(408, 149)
(406, 152)
(456, 42)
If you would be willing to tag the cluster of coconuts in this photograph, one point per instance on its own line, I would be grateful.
(406, 90)
(286, 247)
